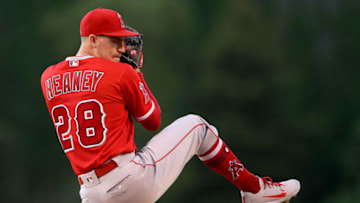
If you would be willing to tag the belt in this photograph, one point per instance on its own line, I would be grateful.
(106, 168)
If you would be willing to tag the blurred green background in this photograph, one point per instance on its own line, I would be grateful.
(279, 79)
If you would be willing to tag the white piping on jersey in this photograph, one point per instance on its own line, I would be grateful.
(141, 118)
(213, 153)
(77, 57)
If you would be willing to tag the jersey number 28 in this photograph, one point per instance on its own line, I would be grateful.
(89, 122)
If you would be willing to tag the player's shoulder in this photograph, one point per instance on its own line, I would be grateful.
(117, 68)
(116, 65)
(110, 67)
(51, 69)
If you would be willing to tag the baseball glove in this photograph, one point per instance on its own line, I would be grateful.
(133, 53)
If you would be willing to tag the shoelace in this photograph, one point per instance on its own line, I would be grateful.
(268, 182)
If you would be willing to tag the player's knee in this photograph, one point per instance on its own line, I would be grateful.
(206, 134)
(195, 118)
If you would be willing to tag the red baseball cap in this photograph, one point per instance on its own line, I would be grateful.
(104, 22)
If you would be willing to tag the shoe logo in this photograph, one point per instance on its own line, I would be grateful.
(235, 168)
(282, 194)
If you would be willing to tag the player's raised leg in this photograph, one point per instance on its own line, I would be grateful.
(217, 156)
(167, 153)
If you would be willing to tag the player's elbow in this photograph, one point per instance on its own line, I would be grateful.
(153, 122)
(153, 126)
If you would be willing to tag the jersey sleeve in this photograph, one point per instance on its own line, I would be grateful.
(139, 100)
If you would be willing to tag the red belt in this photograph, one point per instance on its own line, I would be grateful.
(106, 168)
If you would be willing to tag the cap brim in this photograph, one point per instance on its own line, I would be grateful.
(122, 33)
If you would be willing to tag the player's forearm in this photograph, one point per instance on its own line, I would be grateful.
(147, 88)
(154, 121)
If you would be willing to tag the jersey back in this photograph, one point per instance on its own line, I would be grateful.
(92, 103)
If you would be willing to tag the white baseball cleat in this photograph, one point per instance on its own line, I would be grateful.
(272, 192)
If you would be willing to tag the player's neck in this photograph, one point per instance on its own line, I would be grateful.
(85, 51)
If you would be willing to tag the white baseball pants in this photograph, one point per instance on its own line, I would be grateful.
(145, 176)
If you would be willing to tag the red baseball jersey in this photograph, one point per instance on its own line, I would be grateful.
(92, 103)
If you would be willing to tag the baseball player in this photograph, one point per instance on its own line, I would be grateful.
(93, 100)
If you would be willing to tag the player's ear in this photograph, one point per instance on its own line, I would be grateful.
(93, 40)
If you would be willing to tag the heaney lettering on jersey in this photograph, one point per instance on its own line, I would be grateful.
(77, 81)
